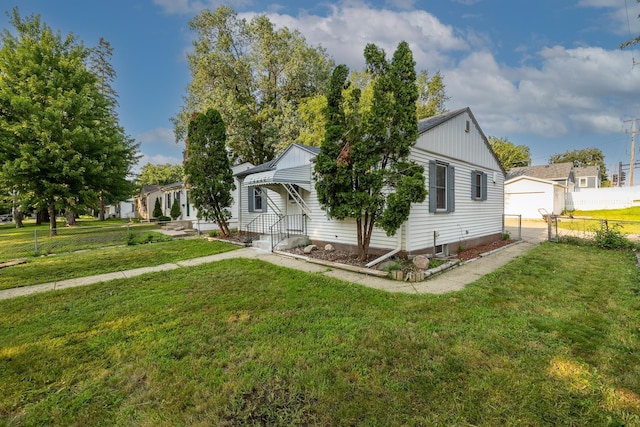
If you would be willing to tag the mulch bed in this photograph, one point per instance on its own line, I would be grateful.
(351, 258)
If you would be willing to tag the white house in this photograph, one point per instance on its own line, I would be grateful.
(124, 209)
(464, 206)
(179, 193)
(144, 202)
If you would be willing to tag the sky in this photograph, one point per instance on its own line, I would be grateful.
(548, 74)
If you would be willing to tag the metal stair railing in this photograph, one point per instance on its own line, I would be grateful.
(297, 198)
(287, 226)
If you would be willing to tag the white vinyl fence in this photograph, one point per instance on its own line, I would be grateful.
(591, 199)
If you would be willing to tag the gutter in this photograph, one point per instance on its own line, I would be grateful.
(388, 254)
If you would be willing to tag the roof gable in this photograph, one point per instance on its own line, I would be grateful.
(294, 155)
(585, 171)
(554, 171)
(457, 135)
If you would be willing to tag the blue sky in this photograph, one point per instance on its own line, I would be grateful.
(548, 74)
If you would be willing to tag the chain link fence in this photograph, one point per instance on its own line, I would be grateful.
(587, 228)
(25, 243)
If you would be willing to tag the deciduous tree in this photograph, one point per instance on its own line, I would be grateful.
(255, 75)
(510, 155)
(581, 158)
(56, 128)
(363, 170)
(208, 169)
(164, 174)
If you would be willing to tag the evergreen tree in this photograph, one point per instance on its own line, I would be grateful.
(363, 171)
(175, 210)
(208, 169)
(157, 209)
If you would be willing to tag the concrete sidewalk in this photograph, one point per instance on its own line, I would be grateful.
(453, 279)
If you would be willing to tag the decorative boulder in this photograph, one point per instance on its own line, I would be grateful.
(421, 262)
(308, 249)
(386, 265)
(329, 247)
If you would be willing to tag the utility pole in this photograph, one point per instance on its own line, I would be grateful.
(633, 151)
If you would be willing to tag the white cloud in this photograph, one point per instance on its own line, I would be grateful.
(157, 136)
(344, 36)
(186, 7)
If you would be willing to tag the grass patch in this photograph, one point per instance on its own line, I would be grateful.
(68, 266)
(33, 240)
(550, 339)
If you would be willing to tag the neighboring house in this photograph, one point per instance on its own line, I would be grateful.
(587, 177)
(532, 197)
(179, 193)
(124, 209)
(561, 173)
(464, 206)
(146, 200)
(531, 191)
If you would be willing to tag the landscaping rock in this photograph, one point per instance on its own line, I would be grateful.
(386, 265)
(421, 262)
(310, 248)
(329, 247)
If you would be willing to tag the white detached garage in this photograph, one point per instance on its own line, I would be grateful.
(529, 196)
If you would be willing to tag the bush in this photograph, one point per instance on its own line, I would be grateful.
(163, 218)
(175, 210)
(146, 237)
(611, 238)
(157, 210)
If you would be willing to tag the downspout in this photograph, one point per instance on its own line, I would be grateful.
(388, 254)
(240, 193)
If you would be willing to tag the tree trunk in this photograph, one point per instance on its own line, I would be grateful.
(101, 206)
(71, 218)
(52, 219)
(17, 218)
(42, 216)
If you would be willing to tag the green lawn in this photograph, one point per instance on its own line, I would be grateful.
(68, 266)
(88, 234)
(550, 339)
(626, 221)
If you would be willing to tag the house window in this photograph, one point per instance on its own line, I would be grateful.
(256, 200)
(583, 182)
(478, 185)
(441, 187)
(168, 204)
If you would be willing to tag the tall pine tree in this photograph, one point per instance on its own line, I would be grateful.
(208, 169)
(363, 170)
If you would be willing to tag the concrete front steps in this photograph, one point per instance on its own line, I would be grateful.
(264, 242)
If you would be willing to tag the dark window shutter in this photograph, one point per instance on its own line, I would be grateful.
(250, 193)
(451, 191)
(484, 186)
(432, 186)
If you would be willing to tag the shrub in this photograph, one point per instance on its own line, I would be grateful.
(146, 237)
(175, 210)
(611, 238)
(157, 210)
(163, 218)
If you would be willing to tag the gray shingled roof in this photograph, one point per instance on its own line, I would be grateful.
(551, 172)
(586, 171)
(266, 166)
(431, 122)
